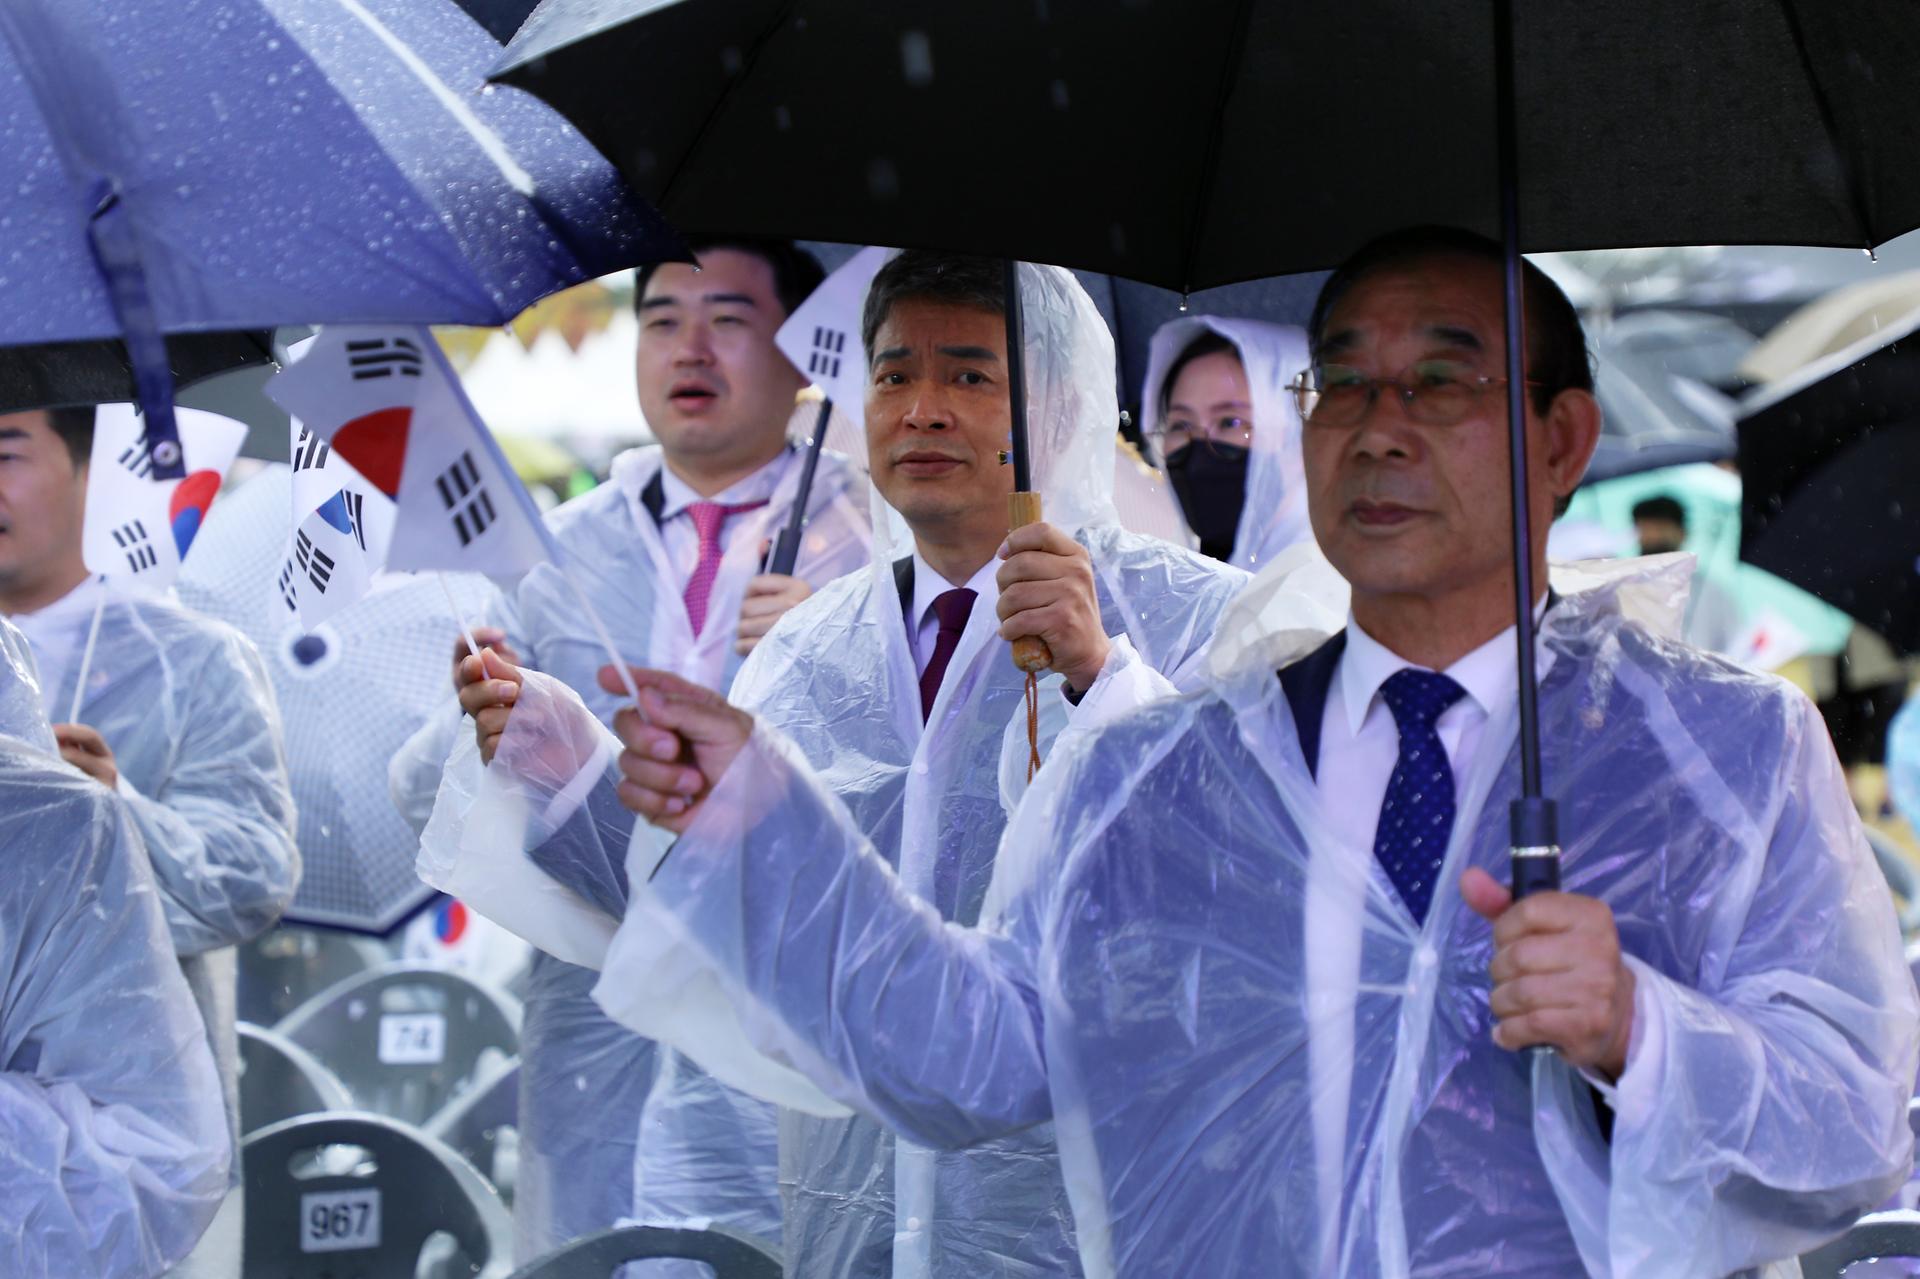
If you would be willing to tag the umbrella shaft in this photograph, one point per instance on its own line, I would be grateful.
(786, 551)
(1507, 128)
(1017, 382)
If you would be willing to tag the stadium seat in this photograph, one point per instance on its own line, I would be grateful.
(279, 1079)
(407, 1039)
(1877, 1235)
(286, 966)
(482, 1124)
(359, 1196)
(597, 1256)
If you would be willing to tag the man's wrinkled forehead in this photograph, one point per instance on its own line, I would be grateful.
(1448, 306)
(936, 326)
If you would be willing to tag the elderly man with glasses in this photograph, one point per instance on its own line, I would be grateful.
(1249, 947)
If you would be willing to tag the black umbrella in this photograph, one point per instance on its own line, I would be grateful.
(501, 18)
(1293, 132)
(1830, 466)
(57, 373)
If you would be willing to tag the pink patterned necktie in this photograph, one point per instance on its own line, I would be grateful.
(708, 519)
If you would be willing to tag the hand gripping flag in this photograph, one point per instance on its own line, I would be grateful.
(138, 528)
(384, 401)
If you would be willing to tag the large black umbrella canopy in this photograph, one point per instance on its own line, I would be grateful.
(1830, 471)
(1189, 143)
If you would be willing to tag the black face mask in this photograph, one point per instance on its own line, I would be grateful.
(1211, 483)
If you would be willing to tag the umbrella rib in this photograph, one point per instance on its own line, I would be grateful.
(747, 65)
(1210, 164)
(1849, 171)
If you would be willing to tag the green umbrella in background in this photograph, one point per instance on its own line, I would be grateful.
(1778, 621)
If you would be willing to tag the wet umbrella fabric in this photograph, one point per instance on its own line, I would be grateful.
(388, 650)
(1829, 458)
(56, 373)
(374, 180)
(759, 115)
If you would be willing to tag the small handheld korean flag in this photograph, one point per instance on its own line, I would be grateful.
(342, 526)
(822, 336)
(138, 528)
(386, 403)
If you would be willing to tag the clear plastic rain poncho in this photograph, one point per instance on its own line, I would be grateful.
(1232, 1098)
(1274, 515)
(839, 679)
(612, 1130)
(114, 1149)
(838, 675)
(185, 705)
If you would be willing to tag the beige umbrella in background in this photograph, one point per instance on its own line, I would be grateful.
(1833, 323)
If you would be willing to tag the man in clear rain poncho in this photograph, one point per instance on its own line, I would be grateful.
(1220, 421)
(897, 686)
(116, 1145)
(1248, 948)
(673, 552)
(177, 720)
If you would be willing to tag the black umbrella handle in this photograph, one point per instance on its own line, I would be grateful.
(1536, 846)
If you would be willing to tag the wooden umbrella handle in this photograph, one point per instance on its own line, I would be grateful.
(1029, 654)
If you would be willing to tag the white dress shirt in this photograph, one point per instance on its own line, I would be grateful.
(677, 532)
(928, 586)
(1359, 749)
(57, 634)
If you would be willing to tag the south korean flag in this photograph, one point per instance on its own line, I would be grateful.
(137, 528)
(822, 339)
(342, 527)
(388, 406)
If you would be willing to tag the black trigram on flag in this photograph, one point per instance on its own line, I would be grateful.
(134, 543)
(137, 458)
(314, 562)
(828, 346)
(355, 505)
(287, 596)
(383, 357)
(460, 492)
(311, 452)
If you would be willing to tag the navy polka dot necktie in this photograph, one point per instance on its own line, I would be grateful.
(1416, 818)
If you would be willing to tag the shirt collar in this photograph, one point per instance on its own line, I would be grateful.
(1489, 673)
(76, 603)
(677, 495)
(928, 586)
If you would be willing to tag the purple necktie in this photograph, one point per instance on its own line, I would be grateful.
(952, 608)
(708, 519)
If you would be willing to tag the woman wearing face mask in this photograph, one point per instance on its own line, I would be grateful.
(1220, 421)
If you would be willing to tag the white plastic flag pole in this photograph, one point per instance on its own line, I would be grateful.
(606, 638)
(86, 656)
(460, 617)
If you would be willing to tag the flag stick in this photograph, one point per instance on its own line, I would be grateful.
(460, 617)
(606, 637)
(86, 657)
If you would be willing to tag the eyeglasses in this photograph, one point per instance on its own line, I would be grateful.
(1433, 393)
(1178, 435)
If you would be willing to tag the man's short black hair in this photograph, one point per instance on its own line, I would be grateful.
(1205, 343)
(796, 272)
(1660, 507)
(74, 426)
(1556, 343)
(957, 279)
